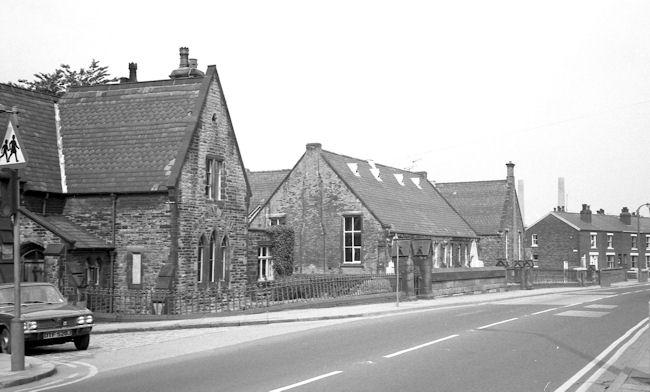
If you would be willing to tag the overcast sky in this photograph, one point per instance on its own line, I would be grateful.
(454, 88)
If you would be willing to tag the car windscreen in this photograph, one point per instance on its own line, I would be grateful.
(31, 295)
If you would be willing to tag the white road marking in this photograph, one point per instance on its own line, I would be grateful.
(56, 384)
(306, 381)
(497, 323)
(610, 362)
(574, 304)
(420, 346)
(582, 313)
(570, 382)
(599, 306)
(544, 311)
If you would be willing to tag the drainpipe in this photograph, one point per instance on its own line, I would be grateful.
(113, 253)
(173, 232)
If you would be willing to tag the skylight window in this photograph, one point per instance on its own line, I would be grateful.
(400, 178)
(416, 181)
(374, 170)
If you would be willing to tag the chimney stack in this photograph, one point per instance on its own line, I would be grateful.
(510, 173)
(585, 214)
(133, 72)
(187, 67)
(314, 146)
(625, 216)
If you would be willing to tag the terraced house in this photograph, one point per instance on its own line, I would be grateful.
(569, 239)
(132, 185)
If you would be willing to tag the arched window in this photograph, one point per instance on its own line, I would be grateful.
(199, 260)
(212, 256)
(224, 262)
(33, 262)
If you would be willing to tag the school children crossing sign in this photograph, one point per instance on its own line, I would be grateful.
(12, 153)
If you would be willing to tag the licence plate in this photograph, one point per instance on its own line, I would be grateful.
(56, 334)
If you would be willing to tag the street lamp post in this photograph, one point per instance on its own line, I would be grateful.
(638, 242)
(396, 244)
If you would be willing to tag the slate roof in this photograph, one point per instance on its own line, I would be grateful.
(263, 183)
(126, 137)
(408, 208)
(37, 128)
(602, 222)
(68, 230)
(481, 203)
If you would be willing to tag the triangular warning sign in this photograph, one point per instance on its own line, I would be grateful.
(12, 153)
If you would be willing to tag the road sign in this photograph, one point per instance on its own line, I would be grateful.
(12, 153)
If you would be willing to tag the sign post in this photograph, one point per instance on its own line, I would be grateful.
(13, 157)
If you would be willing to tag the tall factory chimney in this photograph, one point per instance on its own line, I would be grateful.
(561, 195)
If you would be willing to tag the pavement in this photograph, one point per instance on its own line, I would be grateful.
(635, 362)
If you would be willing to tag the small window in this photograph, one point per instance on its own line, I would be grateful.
(533, 240)
(610, 241)
(610, 261)
(536, 260)
(352, 239)
(634, 261)
(634, 241)
(277, 221)
(593, 260)
(92, 271)
(647, 241)
(136, 269)
(224, 262)
(265, 264)
(593, 240)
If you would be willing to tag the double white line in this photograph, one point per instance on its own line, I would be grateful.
(640, 328)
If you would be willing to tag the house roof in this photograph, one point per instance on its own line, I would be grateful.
(412, 206)
(481, 203)
(127, 137)
(63, 227)
(602, 222)
(36, 121)
(263, 183)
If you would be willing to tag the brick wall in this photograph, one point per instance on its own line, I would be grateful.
(556, 243)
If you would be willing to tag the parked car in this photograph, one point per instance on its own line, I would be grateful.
(47, 317)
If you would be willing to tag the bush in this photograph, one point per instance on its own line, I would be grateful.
(283, 240)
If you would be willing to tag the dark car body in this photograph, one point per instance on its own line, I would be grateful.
(47, 317)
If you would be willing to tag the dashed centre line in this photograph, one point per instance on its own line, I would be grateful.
(322, 376)
(543, 311)
(498, 322)
(419, 346)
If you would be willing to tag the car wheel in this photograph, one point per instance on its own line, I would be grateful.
(5, 341)
(82, 342)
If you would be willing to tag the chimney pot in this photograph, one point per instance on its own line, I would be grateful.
(625, 216)
(585, 214)
(187, 67)
(133, 72)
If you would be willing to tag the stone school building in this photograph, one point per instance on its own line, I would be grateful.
(136, 185)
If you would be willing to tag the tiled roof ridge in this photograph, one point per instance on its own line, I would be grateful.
(472, 182)
(270, 171)
(26, 91)
(148, 83)
(376, 164)
(608, 215)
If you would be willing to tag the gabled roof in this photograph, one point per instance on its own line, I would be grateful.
(602, 222)
(412, 206)
(263, 183)
(68, 231)
(481, 203)
(36, 121)
(127, 137)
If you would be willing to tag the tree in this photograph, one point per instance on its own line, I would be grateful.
(63, 77)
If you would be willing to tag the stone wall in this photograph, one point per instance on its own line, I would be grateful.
(199, 216)
(315, 200)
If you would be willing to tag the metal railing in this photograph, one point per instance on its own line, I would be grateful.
(295, 289)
